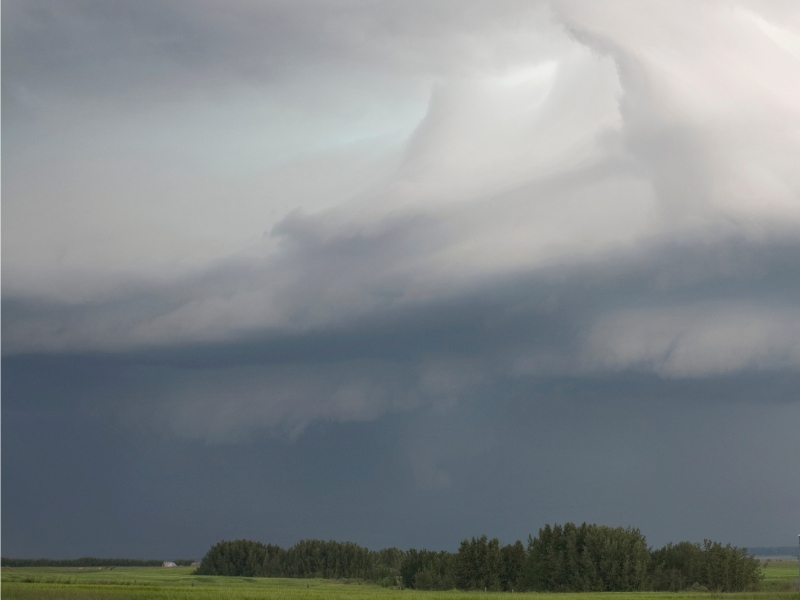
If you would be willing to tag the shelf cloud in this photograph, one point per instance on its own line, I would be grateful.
(236, 224)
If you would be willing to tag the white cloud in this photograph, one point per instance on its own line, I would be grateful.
(551, 138)
(704, 80)
(697, 340)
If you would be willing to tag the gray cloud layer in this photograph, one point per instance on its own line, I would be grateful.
(679, 312)
(582, 195)
(453, 224)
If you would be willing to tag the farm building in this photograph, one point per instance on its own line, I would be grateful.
(168, 563)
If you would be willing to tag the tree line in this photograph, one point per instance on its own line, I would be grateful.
(562, 558)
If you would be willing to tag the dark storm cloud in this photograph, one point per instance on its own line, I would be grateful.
(397, 273)
(680, 459)
(679, 311)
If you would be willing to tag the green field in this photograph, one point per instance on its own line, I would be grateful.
(779, 574)
(42, 583)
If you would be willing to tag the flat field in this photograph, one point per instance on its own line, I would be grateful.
(139, 583)
(779, 574)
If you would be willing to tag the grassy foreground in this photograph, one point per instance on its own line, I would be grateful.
(139, 583)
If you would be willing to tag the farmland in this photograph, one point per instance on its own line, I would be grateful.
(138, 583)
(779, 574)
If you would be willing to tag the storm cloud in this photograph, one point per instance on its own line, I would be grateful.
(297, 239)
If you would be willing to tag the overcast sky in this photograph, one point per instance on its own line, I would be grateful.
(398, 273)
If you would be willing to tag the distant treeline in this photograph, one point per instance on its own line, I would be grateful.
(773, 551)
(568, 558)
(88, 561)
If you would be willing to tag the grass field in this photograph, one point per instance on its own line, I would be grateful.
(139, 583)
(779, 574)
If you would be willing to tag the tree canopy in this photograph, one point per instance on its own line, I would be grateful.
(562, 558)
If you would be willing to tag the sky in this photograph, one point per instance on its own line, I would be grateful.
(398, 273)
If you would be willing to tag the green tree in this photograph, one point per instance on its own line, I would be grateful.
(480, 564)
(586, 558)
(712, 566)
(513, 557)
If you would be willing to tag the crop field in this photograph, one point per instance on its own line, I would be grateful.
(139, 583)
